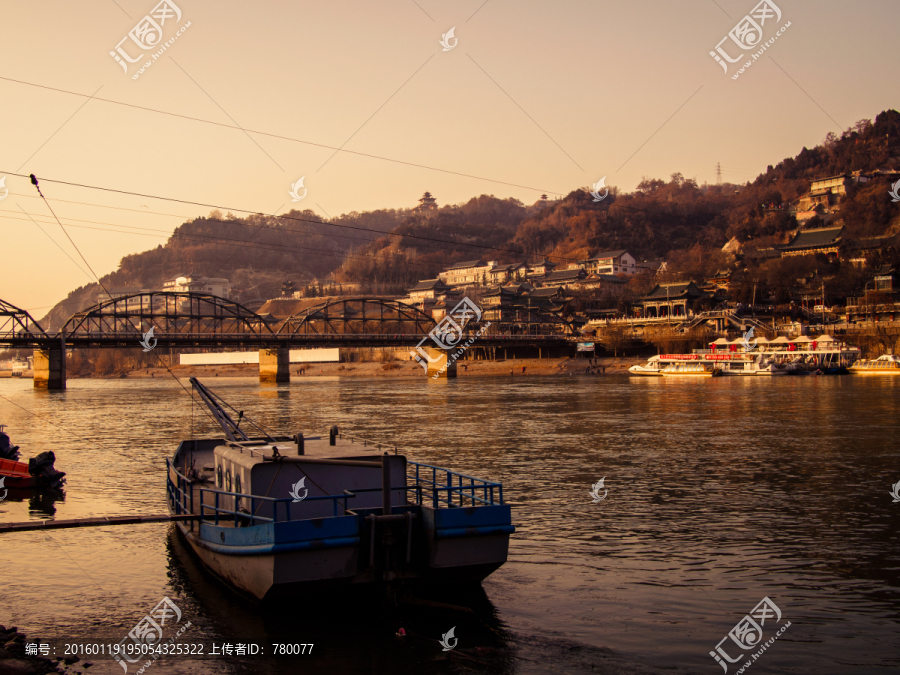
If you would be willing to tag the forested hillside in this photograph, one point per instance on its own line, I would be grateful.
(670, 218)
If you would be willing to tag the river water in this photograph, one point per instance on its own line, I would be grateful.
(720, 493)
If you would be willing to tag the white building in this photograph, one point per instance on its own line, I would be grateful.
(192, 284)
(468, 273)
(608, 262)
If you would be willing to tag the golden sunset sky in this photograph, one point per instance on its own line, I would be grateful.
(534, 97)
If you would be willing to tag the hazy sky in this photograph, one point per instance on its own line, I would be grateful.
(547, 96)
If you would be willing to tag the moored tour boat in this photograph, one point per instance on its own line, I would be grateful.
(760, 356)
(279, 515)
(652, 367)
(886, 364)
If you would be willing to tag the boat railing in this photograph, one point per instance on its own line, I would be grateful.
(216, 511)
(444, 485)
(440, 486)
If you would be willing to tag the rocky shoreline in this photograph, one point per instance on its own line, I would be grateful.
(14, 660)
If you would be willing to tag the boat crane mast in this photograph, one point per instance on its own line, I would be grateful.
(217, 407)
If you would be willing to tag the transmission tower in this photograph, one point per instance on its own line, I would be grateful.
(718, 173)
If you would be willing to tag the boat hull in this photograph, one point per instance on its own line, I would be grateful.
(452, 546)
(264, 576)
(695, 375)
(16, 476)
(640, 370)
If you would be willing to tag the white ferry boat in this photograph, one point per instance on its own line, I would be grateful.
(780, 356)
(886, 364)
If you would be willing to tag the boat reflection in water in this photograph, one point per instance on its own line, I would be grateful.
(348, 635)
(41, 501)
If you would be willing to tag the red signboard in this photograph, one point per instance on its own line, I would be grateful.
(680, 357)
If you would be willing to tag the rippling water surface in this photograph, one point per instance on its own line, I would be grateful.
(720, 492)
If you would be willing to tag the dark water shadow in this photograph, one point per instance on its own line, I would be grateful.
(351, 631)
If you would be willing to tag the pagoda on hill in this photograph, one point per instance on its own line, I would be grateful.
(427, 203)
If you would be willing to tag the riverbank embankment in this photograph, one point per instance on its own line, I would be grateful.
(559, 367)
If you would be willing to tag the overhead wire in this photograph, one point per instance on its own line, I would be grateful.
(291, 218)
(278, 136)
(224, 241)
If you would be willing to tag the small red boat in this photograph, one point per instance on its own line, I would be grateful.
(38, 472)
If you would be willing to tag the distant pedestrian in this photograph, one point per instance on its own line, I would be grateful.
(523, 370)
(466, 367)
(511, 371)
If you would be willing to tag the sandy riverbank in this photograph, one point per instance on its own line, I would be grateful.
(507, 367)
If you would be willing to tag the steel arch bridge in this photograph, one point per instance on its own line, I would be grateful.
(358, 316)
(176, 318)
(17, 324)
(194, 320)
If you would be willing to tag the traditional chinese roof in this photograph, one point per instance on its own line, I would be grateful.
(812, 239)
(547, 293)
(429, 284)
(604, 278)
(679, 291)
(502, 290)
(565, 275)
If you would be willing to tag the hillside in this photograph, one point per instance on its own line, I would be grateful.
(391, 249)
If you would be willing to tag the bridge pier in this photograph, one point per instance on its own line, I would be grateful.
(437, 363)
(50, 367)
(274, 365)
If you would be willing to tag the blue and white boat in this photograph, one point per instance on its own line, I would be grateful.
(272, 516)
